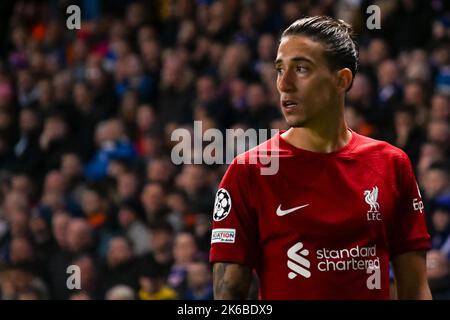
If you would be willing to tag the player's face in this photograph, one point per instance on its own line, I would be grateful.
(307, 86)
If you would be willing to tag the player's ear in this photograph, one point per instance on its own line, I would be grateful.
(344, 79)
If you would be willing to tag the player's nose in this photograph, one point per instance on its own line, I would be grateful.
(286, 82)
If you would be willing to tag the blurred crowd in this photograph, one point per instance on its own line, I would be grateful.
(86, 117)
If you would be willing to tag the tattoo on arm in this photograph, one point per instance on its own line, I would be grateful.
(231, 281)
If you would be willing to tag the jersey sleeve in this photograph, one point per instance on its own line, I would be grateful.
(234, 236)
(410, 230)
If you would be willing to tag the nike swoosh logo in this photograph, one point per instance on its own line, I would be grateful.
(281, 213)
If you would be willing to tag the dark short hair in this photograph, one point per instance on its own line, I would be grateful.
(337, 37)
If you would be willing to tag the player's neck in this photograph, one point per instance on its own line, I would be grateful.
(325, 139)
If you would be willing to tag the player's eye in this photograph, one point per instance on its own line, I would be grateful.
(301, 69)
(279, 70)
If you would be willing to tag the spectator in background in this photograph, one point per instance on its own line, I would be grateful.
(78, 240)
(153, 198)
(7, 125)
(267, 50)
(175, 93)
(361, 96)
(62, 83)
(430, 152)
(202, 232)
(389, 93)
(152, 147)
(60, 222)
(258, 113)
(441, 228)
(30, 294)
(237, 94)
(21, 183)
(26, 151)
(119, 267)
(120, 292)
(43, 242)
(129, 216)
(55, 196)
(150, 51)
(160, 170)
(80, 296)
(199, 285)
(95, 207)
(407, 135)
(17, 217)
(145, 119)
(71, 168)
(235, 63)
(89, 280)
(192, 181)
(100, 214)
(152, 285)
(127, 187)
(208, 98)
(438, 265)
(54, 141)
(436, 181)
(438, 131)
(356, 121)
(419, 69)
(45, 96)
(100, 86)
(135, 79)
(87, 113)
(415, 96)
(112, 143)
(184, 252)
(6, 91)
(181, 215)
(27, 92)
(160, 256)
(377, 51)
(21, 253)
(440, 108)
(17, 281)
(128, 110)
(116, 167)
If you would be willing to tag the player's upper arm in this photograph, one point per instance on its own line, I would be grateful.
(409, 231)
(235, 227)
(410, 276)
(231, 281)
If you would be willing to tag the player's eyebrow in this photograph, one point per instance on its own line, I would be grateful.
(295, 59)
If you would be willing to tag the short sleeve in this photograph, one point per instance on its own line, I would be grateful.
(234, 236)
(410, 230)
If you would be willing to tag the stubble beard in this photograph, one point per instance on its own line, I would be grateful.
(296, 123)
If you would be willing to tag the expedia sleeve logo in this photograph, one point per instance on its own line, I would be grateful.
(222, 205)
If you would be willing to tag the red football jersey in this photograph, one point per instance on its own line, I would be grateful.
(325, 225)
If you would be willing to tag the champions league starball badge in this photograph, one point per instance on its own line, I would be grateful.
(222, 205)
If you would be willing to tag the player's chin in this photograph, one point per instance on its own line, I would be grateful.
(295, 121)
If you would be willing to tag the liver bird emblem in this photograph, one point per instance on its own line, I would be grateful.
(371, 199)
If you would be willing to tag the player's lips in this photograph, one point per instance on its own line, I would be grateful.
(289, 104)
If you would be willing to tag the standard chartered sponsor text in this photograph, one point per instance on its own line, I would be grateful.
(356, 258)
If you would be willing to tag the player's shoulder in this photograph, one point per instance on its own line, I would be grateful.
(367, 146)
(258, 155)
(241, 169)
